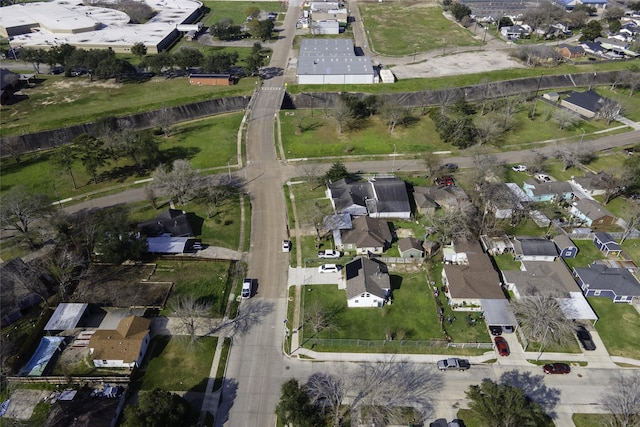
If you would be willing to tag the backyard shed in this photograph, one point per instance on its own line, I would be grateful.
(210, 79)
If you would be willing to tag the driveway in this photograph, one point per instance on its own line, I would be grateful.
(311, 276)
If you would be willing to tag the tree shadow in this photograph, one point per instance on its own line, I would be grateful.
(535, 388)
(196, 223)
(250, 313)
(228, 395)
(175, 153)
(118, 174)
(310, 126)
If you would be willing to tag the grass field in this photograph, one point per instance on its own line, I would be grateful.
(618, 326)
(589, 420)
(58, 101)
(170, 364)
(587, 253)
(219, 10)
(208, 143)
(414, 27)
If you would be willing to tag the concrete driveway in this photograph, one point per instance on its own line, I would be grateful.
(311, 276)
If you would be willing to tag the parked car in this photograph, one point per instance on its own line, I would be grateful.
(329, 253)
(328, 268)
(445, 180)
(542, 177)
(453, 364)
(495, 330)
(286, 246)
(449, 167)
(247, 288)
(519, 168)
(556, 368)
(197, 246)
(501, 346)
(585, 339)
(508, 329)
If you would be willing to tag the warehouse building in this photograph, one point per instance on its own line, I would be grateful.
(333, 61)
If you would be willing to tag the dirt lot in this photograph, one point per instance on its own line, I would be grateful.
(460, 63)
(23, 402)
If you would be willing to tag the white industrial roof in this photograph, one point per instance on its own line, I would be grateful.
(66, 316)
(59, 22)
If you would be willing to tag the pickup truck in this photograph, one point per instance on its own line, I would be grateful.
(329, 253)
(453, 364)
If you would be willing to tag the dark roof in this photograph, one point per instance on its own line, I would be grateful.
(8, 78)
(535, 246)
(368, 232)
(477, 279)
(589, 100)
(366, 275)
(594, 46)
(619, 280)
(171, 221)
(572, 49)
(608, 240)
(382, 195)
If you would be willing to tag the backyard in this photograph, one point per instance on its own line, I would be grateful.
(618, 326)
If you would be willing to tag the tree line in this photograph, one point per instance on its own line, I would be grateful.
(104, 64)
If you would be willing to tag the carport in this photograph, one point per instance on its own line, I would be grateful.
(498, 313)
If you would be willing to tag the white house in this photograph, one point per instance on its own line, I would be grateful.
(123, 347)
(368, 283)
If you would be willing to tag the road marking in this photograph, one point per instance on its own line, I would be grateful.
(270, 88)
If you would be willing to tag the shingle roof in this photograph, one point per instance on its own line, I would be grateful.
(172, 221)
(592, 209)
(557, 188)
(123, 343)
(619, 280)
(368, 232)
(534, 246)
(588, 100)
(608, 240)
(478, 279)
(366, 275)
(542, 278)
(563, 241)
(382, 195)
(409, 243)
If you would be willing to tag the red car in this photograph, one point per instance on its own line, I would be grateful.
(556, 368)
(501, 346)
(445, 180)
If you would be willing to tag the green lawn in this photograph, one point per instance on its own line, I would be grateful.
(62, 101)
(312, 204)
(506, 262)
(589, 420)
(587, 253)
(410, 295)
(414, 27)
(632, 248)
(618, 326)
(205, 281)
(208, 143)
(235, 10)
(171, 364)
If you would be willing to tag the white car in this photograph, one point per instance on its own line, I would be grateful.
(542, 177)
(328, 268)
(286, 246)
(329, 253)
(247, 288)
(519, 168)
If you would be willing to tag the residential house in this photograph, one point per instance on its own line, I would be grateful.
(378, 197)
(540, 278)
(410, 247)
(592, 213)
(606, 244)
(506, 200)
(599, 280)
(587, 103)
(368, 235)
(570, 52)
(615, 45)
(554, 191)
(515, 31)
(566, 247)
(470, 278)
(367, 282)
(592, 48)
(123, 347)
(172, 221)
(428, 199)
(22, 288)
(534, 249)
(592, 184)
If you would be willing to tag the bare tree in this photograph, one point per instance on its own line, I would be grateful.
(67, 267)
(385, 389)
(215, 196)
(179, 182)
(574, 154)
(342, 113)
(20, 208)
(446, 97)
(392, 112)
(565, 119)
(193, 314)
(311, 173)
(623, 401)
(431, 163)
(164, 120)
(632, 220)
(320, 318)
(609, 111)
(15, 147)
(541, 317)
(455, 224)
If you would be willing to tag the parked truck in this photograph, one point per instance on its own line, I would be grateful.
(453, 364)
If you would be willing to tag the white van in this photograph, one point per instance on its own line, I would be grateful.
(246, 289)
(328, 268)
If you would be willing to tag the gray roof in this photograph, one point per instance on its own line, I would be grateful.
(444, 195)
(557, 188)
(591, 181)
(497, 312)
(331, 57)
(592, 209)
(66, 316)
(409, 243)
(534, 246)
(608, 240)
(366, 275)
(477, 279)
(619, 280)
(588, 100)
(563, 241)
(542, 278)
(171, 221)
(382, 195)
